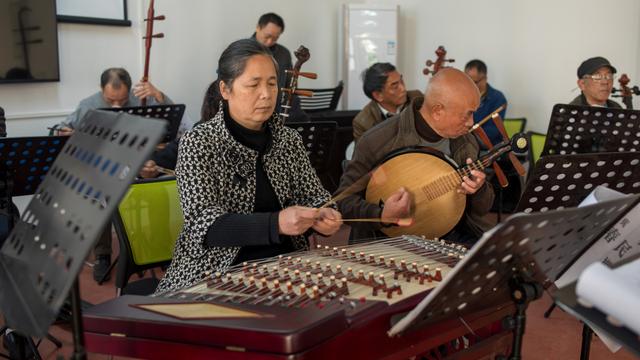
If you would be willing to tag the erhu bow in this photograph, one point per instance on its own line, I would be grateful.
(302, 55)
(147, 44)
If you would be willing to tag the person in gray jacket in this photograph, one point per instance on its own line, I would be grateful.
(115, 91)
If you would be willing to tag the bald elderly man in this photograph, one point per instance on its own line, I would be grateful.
(441, 119)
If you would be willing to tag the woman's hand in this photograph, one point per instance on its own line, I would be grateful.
(328, 221)
(295, 220)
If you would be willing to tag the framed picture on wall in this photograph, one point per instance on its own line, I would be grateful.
(99, 12)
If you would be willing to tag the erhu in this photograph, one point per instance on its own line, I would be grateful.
(302, 55)
(147, 44)
(626, 92)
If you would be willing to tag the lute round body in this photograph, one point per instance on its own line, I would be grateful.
(431, 179)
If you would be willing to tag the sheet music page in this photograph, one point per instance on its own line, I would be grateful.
(617, 244)
(615, 292)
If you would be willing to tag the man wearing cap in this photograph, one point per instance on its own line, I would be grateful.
(595, 80)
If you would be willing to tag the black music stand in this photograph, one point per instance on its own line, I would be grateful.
(24, 163)
(566, 298)
(563, 181)
(170, 113)
(527, 252)
(575, 129)
(41, 258)
(26, 160)
(318, 138)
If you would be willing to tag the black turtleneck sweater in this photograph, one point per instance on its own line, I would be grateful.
(257, 233)
(424, 130)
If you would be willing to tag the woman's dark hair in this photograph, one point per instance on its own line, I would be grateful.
(209, 103)
(231, 64)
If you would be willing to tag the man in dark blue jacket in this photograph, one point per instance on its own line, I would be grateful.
(490, 98)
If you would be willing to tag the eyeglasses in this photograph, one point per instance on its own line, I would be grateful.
(600, 77)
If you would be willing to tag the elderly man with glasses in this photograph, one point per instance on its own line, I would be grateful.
(595, 80)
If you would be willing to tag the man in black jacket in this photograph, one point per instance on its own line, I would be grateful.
(595, 80)
(268, 30)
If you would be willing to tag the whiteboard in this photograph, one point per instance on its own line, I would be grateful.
(370, 36)
(92, 11)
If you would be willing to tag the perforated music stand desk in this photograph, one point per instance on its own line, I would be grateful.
(566, 298)
(527, 249)
(24, 161)
(563, 181)
(44, 253)
(575, 129)
(170, 113)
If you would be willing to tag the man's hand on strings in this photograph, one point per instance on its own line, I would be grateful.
(144, 89)
(327, 222)
(398, 205)
(470, 185)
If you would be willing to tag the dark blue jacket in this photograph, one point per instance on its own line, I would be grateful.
(489, 103)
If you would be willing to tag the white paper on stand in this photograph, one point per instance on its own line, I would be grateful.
(615, 292)
(618, 243)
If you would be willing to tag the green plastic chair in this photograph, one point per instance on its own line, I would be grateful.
(148, 222)
(514, 125)
(536, 144)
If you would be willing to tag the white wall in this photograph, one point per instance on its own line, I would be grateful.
(84, 52)
(186, 59)
(532, 49)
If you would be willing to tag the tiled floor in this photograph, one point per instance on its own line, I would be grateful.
(555, 338)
